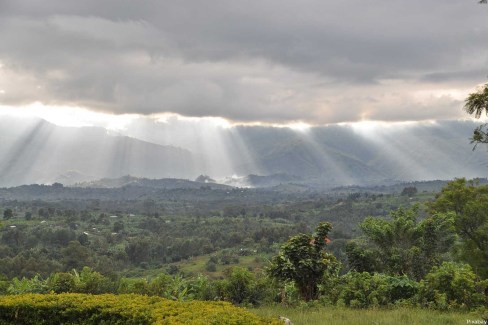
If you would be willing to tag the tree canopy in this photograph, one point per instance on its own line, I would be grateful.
(303, 260)
(477, 103)
(402, 245)
(470, 205)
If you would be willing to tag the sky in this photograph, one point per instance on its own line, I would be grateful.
(278, 62)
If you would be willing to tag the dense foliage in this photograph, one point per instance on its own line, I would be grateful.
(303, 260)
(121, 309)
(476, 104)
(469, 204)
(402, 244)
(405, 249)
(135, 236)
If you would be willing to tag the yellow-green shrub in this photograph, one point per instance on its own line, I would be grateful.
(73, 308)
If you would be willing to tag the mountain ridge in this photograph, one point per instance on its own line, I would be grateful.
(36, 151)
(41, 152)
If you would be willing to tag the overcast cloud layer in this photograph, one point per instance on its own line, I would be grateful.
(276, 61)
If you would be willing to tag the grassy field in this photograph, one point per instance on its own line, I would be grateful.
(344, 316)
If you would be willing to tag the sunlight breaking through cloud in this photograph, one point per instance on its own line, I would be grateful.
(169, 145)
(72, 116)
(404, 143)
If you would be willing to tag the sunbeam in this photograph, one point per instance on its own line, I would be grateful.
(26, 157)
(207, 139)
(162, 146)
(327, 159)
(412, 150)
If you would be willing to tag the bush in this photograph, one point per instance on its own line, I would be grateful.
(242, 287)
(89, 281)
(239, 285)
(61, 283)
(138, 286)
(4, 284)
(202, 289)
(119, 309)
(452, 286)
(34, 285)
(210, 267)
(363, 290)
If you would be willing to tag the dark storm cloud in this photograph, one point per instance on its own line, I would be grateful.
(273, 61)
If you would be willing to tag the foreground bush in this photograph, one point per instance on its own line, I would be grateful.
(119, 309)
(453, 286)
(364, 290)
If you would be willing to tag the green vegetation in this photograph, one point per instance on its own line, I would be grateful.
(403, 244)
(410, 249)
(475, 104)
(303, 261)
(469, 204)
(49, 233)
(121, 309)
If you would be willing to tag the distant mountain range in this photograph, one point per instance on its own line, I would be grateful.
(35, 151)
(345, 155)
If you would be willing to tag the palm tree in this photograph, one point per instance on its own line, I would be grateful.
(477, 102)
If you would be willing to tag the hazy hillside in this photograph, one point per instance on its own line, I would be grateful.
(36, 151)
(345, 155)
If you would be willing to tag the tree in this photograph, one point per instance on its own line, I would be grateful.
(469, 203)
(8, 214)
(138, 250)
(75, 256)
(118, 226)
(89, 281)
(28, 215)
(402, 245)
(61, 282)
(239, 285)
(303, 260)
(452, 285)
(409, 191)
(476, 104)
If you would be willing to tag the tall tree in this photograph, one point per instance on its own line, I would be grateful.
(477, 104)
(402, 244)
(8, 214)
(470, 205)
(303, 260)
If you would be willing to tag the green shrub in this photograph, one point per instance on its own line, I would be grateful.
(4, 284)
(202, 288)
(34, 285)
(452, 286)
(243, 287)
(61, 283)
(119, 309)
(89, 281)
(363, 290)
(138, 286)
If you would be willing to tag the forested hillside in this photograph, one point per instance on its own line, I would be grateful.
(252, 247)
